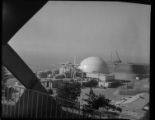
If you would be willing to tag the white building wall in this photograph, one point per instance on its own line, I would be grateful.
(103, 84)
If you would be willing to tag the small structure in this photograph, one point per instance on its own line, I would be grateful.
(103, 79)
(64, 69)
(103, 84)
(146, 107)
(44, 74)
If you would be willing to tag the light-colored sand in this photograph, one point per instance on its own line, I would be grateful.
(134, 109)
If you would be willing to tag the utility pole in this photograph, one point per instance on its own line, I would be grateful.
(82, 78)
(98, 78)
(74, 64)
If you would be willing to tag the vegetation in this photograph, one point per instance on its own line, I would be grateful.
(61, 76)
(8, 92)
(4, 77)
(50, 91)
(55, 72)
(94, 102)
(91, 83)
(57, 83)
(69, 91)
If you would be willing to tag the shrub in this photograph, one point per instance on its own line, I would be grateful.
(69, 91)
(91, 83)
(94, 102)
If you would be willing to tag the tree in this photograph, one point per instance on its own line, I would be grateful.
(5, 77)
(91, 83)
(9, 93)
(94, 102)
(69, 92)
(90, 101)
(7, 84)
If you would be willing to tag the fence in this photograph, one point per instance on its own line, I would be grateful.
(26, 103)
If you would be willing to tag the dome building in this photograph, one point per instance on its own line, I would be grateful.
(94, 65)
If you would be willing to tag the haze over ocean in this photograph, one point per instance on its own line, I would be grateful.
(64, 29)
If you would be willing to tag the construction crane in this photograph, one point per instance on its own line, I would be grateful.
(115, 62)
(119, 60)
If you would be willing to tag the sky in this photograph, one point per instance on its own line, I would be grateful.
(64, 29)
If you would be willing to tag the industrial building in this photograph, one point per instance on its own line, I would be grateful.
(96, 67)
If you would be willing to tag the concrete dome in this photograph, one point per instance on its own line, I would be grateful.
(94, 65)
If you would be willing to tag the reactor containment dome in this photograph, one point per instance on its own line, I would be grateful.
(94, 65)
